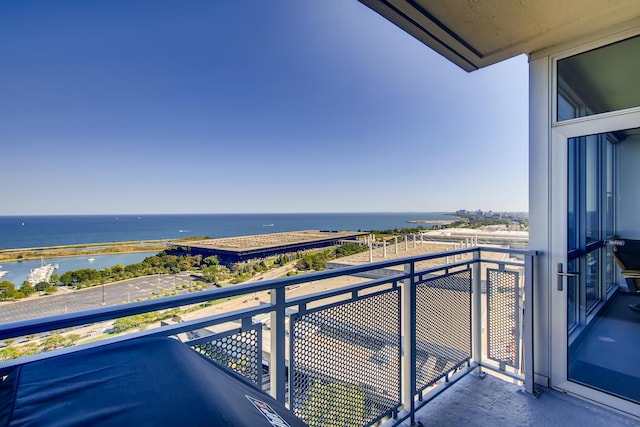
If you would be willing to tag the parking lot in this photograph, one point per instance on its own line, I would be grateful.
(68, 300)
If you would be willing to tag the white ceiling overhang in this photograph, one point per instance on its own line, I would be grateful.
(477, 33)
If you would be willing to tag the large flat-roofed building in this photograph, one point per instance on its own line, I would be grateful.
(243, 248)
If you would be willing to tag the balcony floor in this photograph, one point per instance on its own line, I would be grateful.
(492, 402)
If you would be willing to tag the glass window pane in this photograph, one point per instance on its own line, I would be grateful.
(600, 80)
(565, 109)
(609, 268)
(572, 219)
(609, 215)
(592, 289)
(573, 297)
(592, 223)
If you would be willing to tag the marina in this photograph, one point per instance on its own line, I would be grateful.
(41, 274)
(18, 271)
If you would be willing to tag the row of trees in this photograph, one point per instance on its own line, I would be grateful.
(162, 263)
(140, 321)
(318, 260)
(209, 269)
(8, 290)
(53, 342)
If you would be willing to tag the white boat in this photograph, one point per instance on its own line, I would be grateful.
(3, 273)
(40, 274)
(91, 259)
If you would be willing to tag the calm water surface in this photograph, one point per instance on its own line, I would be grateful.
(44, 231)
(19, 270)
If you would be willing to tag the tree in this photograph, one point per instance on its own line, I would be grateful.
(211, 260)
(50, 290)
(29, 349)
(334, 404)
(210, 273)
(59, 341)
(117, 269)
(40, 286)
(8, 291)
(27, 289)
(9, 353)
(349, 249)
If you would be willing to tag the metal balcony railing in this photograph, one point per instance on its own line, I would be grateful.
(361, 354)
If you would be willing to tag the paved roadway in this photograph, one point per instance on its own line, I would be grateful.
(66, 300)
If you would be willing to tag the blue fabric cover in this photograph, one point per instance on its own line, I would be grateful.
(143, 382)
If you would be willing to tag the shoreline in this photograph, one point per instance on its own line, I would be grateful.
(68, 251)
(134, 246)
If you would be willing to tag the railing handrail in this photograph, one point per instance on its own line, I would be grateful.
(67, 320)
(400, 284)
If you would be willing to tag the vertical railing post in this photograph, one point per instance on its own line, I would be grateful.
(408, 325)
(528, 351)
(277, 364)
(476, 309)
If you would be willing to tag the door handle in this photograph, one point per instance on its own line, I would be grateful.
(561, 274)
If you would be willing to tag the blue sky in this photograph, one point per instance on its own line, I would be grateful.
(200, 106)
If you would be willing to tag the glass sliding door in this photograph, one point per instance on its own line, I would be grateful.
(602, 330)
(587, 218)
(595, 199)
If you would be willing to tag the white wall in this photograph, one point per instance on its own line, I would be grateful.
(539, 209)
(628, 189)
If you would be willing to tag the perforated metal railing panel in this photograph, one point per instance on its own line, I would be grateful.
(346, 361)
(443, 325)
(503, 330)
(241, 351)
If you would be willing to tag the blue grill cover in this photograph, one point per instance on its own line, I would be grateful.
(143, 382)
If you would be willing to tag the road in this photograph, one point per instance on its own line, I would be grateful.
(67, 300)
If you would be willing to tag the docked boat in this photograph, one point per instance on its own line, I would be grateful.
(41, 274)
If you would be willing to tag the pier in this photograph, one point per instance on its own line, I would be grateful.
(41, 274)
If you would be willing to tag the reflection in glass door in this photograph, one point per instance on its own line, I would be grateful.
(588, 173)
(594, 173)
(602, 332)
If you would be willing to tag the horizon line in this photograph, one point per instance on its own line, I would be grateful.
(260, 213)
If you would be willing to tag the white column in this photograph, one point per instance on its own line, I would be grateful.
(396, 239)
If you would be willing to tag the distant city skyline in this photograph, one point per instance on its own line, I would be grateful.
(150, 107)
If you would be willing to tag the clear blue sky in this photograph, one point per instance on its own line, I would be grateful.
(201, 106)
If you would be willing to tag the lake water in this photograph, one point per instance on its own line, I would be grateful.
(19, 270)
(44, 231)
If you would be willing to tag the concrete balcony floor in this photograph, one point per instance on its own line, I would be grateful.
(490, 401)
